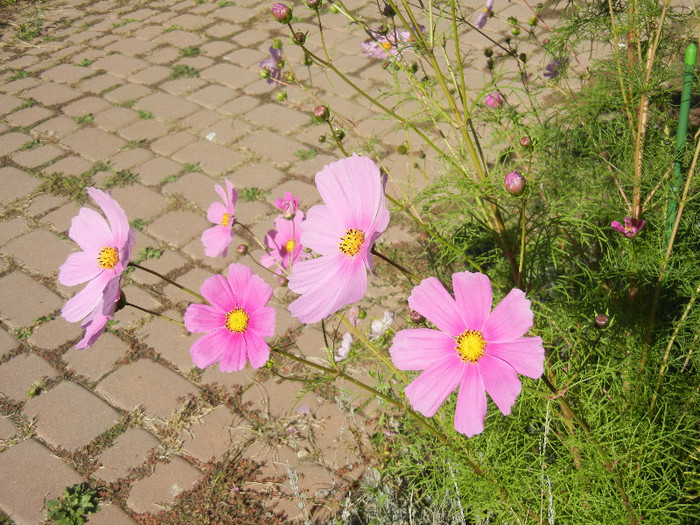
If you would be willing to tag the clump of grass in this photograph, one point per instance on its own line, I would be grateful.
(190, 51)
(144, 114)
(252, 194)
(121, 178)
(72, 187)
(182, 71)
(84, 119)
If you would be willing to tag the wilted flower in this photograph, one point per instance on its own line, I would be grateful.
(494, 100)
(555, 67)
(474, 348)
(343, 351)
(289, 204)
(273, 66)
(484, 16)
(217, 239)
(378, 327)
(631, 228)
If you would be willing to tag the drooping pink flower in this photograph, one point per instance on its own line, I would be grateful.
(631, 228)
(106, 249)
(235, 323)
(289, 204)
(474, 348)
(218, 238)
(484, 16)
(494, 100)
(273, 65)
(391, 43)
(343, 231)
(284, 244)
(96, 321)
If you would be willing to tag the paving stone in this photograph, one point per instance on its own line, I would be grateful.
(19, 373)
(66, 73)
(275, 147)
(7, 343)
(127, 92)
(16, 183)
(28, 116)
(62, 217)
(179, 39)
(131, 46)
(306, 191)
(31, 476)
(178, 227)
(278, 116)
(7, 428)
(71, 165)
(85, 106)
(155, 387)
(169, 340)
(213, 96)
(166, 263)
(171, 143)
(166, 106)
(192, 280)
(40, 250)
(70, 416)
(55, 333)
(114, 119)
(139, 202)
(144, 130)
(37, 157)
(50, 93)
(98, 360)
(215, 435)
(239, 106)
(161, 488)
(119, 65)
(230, 75)
(164, 55)
(42, 203)
(101, 83)
(277, 399)
(93, 144)
(150, 75)
(37, 300)
(187, 21)
(155, 170)
(217, 48)
(196, 187)
(109, 514)
(226, 131)
(57, 127)
(19, 85)
(12, 142)
(129, 451)
(182, 86)
(222, 31)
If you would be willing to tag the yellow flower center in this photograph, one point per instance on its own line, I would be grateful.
(108, 257)
(351, 242)
(225, 219)
(289, 247)
(470, 346)
(386, 45)
(237, 320)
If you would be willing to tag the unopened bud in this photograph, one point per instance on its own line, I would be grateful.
(387, 10)
(283, 281)
(602, 321)
(242, 249)
(382, 29)
(314, 4)
(514, 183)
(264, 73)
(488, 52)
(525, 141)
(515, 31)
(276, 43)
(282, 12)
(416, 317)
(299, 38)
(307, 60)
(361, 314)
(281, 96)
(321, 113)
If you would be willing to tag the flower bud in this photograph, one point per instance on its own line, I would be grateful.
(361, 314)
(514, 183)
(242, 249)
(416, 317)
(321, 113)
(283, 281)
(276, 43)
(494, 100)
(299, 38)
(525, 141)
(307, 60)
(314, 4)
(488, 52)
(387, 10)
(602, 321)
(264, 73)
(515, 31)
(282, 12)
(281, 96)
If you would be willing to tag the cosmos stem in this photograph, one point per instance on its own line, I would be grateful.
(127, 303)
(178, 285)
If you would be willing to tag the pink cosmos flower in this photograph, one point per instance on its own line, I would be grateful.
(343, 231)
(289, 205)
(284, 244)
(273, 65)
(631, 228)
(236, 322)
(217, 239)
(96, 321)
(106, 249)
(389, 44)
(474, 348)
(484, 16)
(494, 100)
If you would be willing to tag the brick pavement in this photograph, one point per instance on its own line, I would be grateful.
(160, 100)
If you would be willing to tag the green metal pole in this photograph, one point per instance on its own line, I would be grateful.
(691, 54)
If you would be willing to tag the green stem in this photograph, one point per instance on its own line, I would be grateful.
(409, 275)
(178, 285)
(127, 303)
(521, 263)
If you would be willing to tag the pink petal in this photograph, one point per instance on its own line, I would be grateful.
(473, 296)
(207, 350)
(327, 284)
(215, 213)
(250, 291)
(258, 349)
(216, 290)
(78, 268)
(322, 230)
(431, 299)
(262, 322)
(429, 390)
(93, 330)
(471, 403)
(216, 240)
(510, 319)
(235, 353)
(116, 216)
(418, 348)
(204, 318)
(85, 301)
(90, 231)
(500, 381)
(525, 355)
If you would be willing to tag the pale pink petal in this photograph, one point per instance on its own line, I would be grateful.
(510, 319)
(216, 240)
(207, 350)
(215, 290)
(215, 213)
(471, 403)
(257, 291)
(204, 318)
(500, 381)
(94, 328)
(418, 348)
(235, 353)
(239, 279)
(232, 194)
(525, 355)
(116, 216)
(262, 322)
(94, 324)
(473, 296)
(90, 231)
(431, 300)
(429, 390)
(322, 230)
(258, 349)
(78, 268)
(327, 284)
(85, 301)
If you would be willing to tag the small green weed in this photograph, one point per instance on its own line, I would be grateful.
(36, 388)
(138, 224)
(72, 187)
(191, 168)
(18, 75)
(144, 114)
(121, 178)
(22, 333)
(225, 3)
(190, 51)
(127, 103)
(252, 194)
(133, 144)
(149, 252)
(174, 27)
(28, 103)
(77, 501)
(305, 154)
(169, 179)
(30, 145)
(31, 29)
(181, 70)
(124, 22)
(84, 119)
(85, 62)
